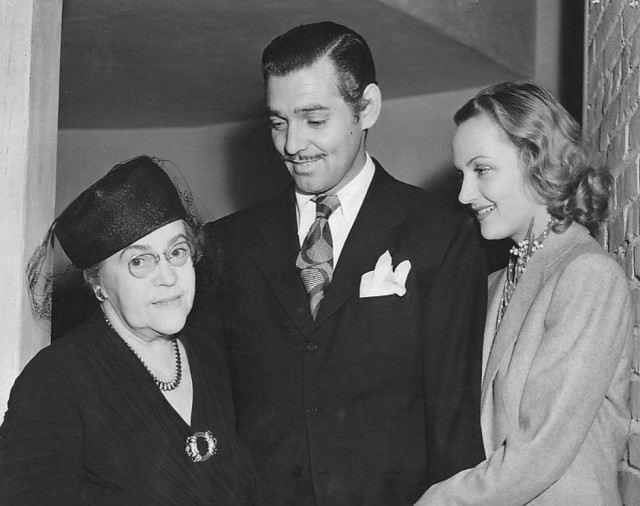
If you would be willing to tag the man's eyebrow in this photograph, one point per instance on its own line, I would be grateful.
(311, 108)
(299, 110)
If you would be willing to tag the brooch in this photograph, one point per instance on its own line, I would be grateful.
(192, 446)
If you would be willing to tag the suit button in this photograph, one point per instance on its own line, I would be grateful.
(312, 347)
(313, 411)
(296, 472)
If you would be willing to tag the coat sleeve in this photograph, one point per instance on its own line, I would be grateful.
(41, 438)
(454, 316)
(587, 325)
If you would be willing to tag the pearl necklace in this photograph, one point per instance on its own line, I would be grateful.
(165, 386)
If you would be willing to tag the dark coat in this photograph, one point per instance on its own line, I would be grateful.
(377, 398)
(86, 424)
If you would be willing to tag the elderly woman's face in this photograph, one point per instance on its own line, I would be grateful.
(493, 180)
(151, 283)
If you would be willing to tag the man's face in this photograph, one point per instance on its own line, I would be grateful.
(314, 129)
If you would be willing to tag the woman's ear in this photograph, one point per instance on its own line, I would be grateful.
(99, 293)
(373, 100)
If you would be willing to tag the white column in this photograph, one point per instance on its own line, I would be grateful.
(29, 82)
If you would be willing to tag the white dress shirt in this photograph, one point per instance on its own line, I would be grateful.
(341, 220)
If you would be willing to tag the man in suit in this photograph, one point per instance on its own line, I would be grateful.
(350, 388)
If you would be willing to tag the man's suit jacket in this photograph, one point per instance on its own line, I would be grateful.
(377, 397)
(556, 382)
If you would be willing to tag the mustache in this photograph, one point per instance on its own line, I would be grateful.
(302, 159)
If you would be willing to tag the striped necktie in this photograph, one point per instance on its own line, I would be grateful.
(315, 260)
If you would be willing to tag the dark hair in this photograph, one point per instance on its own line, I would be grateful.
(548, 139)
(304, 45)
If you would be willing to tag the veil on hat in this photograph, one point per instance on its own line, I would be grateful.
(127, 203)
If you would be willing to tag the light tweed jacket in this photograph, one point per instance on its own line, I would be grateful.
(555, 384)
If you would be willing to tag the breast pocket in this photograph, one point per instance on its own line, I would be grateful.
(388, 326)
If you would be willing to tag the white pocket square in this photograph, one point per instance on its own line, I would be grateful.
(383, 280)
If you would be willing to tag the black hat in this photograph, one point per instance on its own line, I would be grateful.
(132, 200)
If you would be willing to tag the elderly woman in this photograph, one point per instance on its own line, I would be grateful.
(557, 348)
(127, 408)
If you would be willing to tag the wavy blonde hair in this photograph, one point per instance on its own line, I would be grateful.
(548, 139)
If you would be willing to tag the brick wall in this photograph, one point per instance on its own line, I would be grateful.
(611, 116)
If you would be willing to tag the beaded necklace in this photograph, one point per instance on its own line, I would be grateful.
(165, 386)
(518, 258)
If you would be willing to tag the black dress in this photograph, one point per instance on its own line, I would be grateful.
(87, 425)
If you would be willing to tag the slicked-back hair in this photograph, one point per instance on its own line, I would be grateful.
(304, 45)
(548, 140)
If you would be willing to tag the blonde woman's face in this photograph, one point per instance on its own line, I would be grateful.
(493, 182)
(158, 303)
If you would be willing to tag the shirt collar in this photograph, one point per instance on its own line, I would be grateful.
(351, 195)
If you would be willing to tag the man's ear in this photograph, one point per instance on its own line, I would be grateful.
(373, 100)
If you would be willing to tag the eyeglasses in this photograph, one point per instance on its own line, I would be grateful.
(142, 265)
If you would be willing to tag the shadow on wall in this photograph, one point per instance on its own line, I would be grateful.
(571, 59)
(255, 171)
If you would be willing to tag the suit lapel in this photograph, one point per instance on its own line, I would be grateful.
(496, 282)
(370, 236)
(512, 320)
(275, 252)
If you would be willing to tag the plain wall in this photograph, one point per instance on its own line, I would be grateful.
(484, 25)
